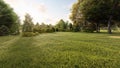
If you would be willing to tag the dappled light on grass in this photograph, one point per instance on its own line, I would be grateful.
(115, 37)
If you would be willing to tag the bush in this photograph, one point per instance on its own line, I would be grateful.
(76, 27)
(29, 34)
(4, 30)
(56, 29)
(37, 30)
(36, 33)
(14, 30)
(49, 30)
(89, 28)
(53, 29)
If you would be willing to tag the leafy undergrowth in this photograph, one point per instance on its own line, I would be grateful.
(60, 50)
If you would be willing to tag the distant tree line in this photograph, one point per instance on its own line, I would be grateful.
(86, 15)
(10, 24)
(31, 29)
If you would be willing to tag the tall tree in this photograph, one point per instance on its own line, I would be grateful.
(97, 12)
(15, 29)
(114, 13)
(70, 26)
(76, 16)
(37, 28)
(28, 24)
(7, 16)
(61, 25)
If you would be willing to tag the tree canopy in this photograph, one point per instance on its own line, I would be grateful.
(8, 17)
(28, 24)
(96, 12)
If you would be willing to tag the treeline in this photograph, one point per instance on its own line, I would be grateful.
(10, 24)
(86, 15)
(31, 29)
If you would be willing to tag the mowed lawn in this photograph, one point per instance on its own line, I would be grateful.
(60, 50)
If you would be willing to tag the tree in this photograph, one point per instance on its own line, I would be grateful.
(61, 25)
(76, 16)
(37, 28)
(4, 30)
(94, 11)
(97, 12)
(7, 16)
(15, 29)
(43, 27)
(70, 26)
(28, 24)
(114, 13)
(75, 13)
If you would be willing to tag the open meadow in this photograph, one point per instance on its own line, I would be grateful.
(61, 50)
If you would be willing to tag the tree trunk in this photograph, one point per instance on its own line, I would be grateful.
(109, 25)
(115, 4)
(97, 27)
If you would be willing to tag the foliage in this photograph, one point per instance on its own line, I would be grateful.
(7, 16)
(76, 16)
(89, 28)
(97, 12)
(28, 24)
(76, 27)
(4, 30)
(33, 30)
(75, 11)
(29, 29)
(47, 28)
(15, 29)
(70, 26)
(61, 25)
(37, 28)
(29, 34)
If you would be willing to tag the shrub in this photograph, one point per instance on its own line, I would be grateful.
(36, 33)
(4, 30)
(53, 29)
(49, 30)
(14, 30)
(76, 27)
(29, 34)
(89, 28)
(56, 29)
(37, 30)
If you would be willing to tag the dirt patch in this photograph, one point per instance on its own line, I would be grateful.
(115, 37)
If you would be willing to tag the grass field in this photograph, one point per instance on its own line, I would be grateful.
(60, 50)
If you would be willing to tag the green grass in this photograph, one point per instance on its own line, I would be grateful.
(60, 50)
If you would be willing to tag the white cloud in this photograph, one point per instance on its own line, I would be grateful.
(41, 7)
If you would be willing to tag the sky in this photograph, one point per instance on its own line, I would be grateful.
(43, 11)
